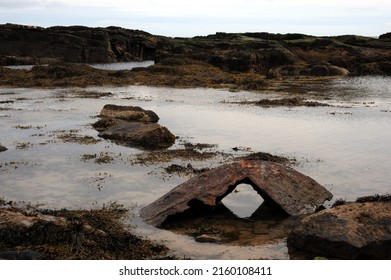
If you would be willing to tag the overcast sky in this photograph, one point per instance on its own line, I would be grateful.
(202, 17)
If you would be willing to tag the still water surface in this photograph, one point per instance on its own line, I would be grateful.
(345, 148)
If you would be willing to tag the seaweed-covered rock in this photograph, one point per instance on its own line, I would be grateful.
(350, 231)
(282, 186)
(78, 234)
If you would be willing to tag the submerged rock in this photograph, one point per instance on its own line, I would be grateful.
(133, 126)
(2, 148)
(282, 186)
(350, 231)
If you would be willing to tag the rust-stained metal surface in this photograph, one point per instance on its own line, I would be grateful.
(294, 192)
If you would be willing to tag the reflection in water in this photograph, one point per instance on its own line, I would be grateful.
(267, 225)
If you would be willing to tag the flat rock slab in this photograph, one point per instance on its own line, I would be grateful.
(292, 191)
(350, 231)
(129, 113)
(147, 135)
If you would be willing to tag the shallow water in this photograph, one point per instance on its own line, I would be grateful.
(345, 148)
(122, 65)
(102, 66)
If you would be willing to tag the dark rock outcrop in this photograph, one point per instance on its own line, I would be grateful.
(350, 231)
(264, 54)
(282, 186)
(74, 44)
(385, 36)
(2, 148)
(133, 126)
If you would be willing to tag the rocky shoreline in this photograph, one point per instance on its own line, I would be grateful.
(28, 233)
(242, 61)
(248, 61)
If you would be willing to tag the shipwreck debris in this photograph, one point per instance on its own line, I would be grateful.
(280, 185)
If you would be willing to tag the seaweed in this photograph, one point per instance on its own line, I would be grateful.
(86, 234)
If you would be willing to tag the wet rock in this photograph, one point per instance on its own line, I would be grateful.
(133, 126)
(2, 148)
(283, 187)
(350, 231)
(129, 113)
(17, 219)
(147, 135)
(207, 238)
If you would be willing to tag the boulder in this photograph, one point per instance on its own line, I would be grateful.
(133, 126)
(350, 231)
(2, 148)
(147, 135)
(280, 185)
